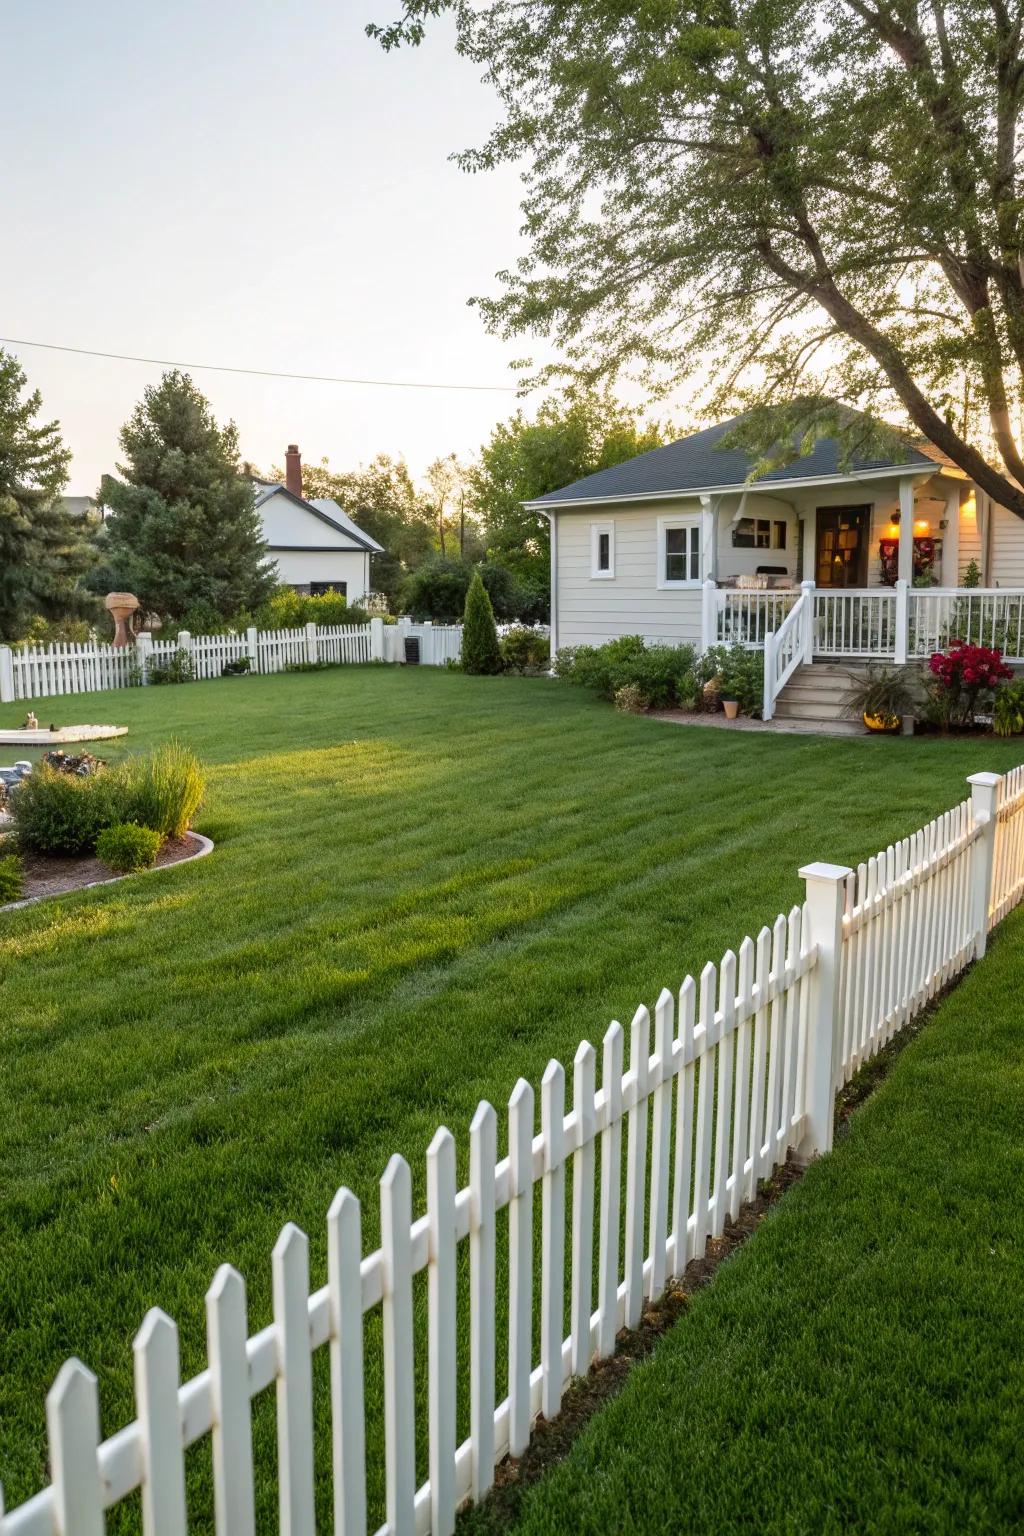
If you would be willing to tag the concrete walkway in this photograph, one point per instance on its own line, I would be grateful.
(776, 727)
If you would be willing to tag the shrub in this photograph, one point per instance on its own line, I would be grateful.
(177, 668)
(663, 673)
(631, 699)
(286, 609)
(126, 847)
(59, 813)
(525, 650)
(437, 589)
(480, 653)
(1008, 709)
(962, 676)
(239, 667)
(733, 672)
(161, 791)
(12, 878)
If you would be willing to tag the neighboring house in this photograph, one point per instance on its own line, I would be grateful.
(634, 547)
(85, 507)
(317, 546)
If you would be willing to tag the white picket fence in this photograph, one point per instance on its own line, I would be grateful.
(743, 1071)
(41, 672)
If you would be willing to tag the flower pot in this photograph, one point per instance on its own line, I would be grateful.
(731, 708)
(886, 725)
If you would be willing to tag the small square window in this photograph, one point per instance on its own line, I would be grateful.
(680, 553)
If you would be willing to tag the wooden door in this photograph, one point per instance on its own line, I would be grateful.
(841, 546)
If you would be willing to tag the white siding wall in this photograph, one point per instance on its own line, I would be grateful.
(971, 547)
(1007, 549)
(299, 567)
(744, 562)
(592, 611)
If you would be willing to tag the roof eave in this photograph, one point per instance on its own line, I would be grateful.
(764, 486)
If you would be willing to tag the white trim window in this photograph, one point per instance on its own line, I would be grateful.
(680, 561)
(602, 551)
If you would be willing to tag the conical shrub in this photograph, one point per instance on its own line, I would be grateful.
(480, 650)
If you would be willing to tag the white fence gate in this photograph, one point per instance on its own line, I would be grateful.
(742, 1069)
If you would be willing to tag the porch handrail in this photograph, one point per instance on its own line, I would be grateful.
(787, 648)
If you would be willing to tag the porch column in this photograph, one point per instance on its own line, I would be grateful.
(905, 568)
(709, 537)
(810, 565)
(951, 537)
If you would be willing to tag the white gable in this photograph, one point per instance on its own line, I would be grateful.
(292, 524)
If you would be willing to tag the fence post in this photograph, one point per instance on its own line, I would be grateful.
(708, 616)
(427, 643)
(376, 639)
(826, 894)
(902, 623)
(984, 790)
(768, 702)
(6, 675)
(311, 646)
(143, 654)
(807, 587)
(252, 649)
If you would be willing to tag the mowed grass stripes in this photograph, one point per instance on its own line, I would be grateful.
(425, 885)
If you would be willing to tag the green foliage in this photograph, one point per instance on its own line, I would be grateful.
(288, 609)
(972, 575)
(12, 878)
(631, 699)
(525, 459)
(733, 672)
(384, 502)
(436, 590)
(177, 668)
(44, 552)
(1008, 709)
(241, 666)
(126, 847)
(162, 789)
(525, 650)
(662, 674)
(885, 692)
(704, 207)
(480, 651)
(60, 813)
(182, 531)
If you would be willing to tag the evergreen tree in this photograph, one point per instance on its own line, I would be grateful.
(182, 530)
(480, 651)
(44, 551)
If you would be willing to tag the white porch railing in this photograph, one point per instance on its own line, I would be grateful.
(788, 649)
(895, 624)
(742, 1067)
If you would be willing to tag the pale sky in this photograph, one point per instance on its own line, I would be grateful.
(255, 183)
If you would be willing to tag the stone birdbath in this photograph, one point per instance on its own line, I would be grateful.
(121, 606)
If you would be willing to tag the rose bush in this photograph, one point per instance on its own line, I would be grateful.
(961, 676)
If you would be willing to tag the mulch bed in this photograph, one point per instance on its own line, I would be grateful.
(46, 875)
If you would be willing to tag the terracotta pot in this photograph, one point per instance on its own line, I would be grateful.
(731, 708)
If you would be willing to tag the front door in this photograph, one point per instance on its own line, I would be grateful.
(841, 546)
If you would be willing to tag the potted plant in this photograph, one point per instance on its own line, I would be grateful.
(883, 697)
(731, 707)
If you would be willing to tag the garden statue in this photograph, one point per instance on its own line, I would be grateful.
(121, 606)
(31, 722)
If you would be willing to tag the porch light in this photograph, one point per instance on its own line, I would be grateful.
(921, 525)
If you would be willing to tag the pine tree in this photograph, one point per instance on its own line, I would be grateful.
(44, 551)
(182, 530)
(480, 651)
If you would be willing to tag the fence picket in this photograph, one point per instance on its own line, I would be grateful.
(611, 1190)
(156, 1401)
(682, 1248)
(726, 1088)
(226, 1333)
(483, 1143)
(552, 1271)
(441, 1330)
(396, 1309)
(582, 1246)
(636, 1163)
(294, 1383)
(348, 1429)
(73, 1431)
(520, 1263)
(661, 1131)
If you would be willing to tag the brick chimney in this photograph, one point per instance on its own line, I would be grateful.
(293, 470)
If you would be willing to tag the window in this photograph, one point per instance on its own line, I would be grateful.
(321, 588)
(759, 533)
(679, 556)
(602, 550)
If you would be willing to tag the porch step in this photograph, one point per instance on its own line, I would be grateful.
(815, 693)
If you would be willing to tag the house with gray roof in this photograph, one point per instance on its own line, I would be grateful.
(680, 544)
(317, 546)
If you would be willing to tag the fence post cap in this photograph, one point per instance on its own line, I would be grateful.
(984, 780)
(827, 873)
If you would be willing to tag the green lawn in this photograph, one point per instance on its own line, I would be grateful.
(424, 886)
(857, 1366)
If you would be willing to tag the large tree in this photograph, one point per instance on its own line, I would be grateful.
(182, 531)
(791, 200)
(566, 440)
(44, 552)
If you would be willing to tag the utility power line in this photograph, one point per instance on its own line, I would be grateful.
(263, 373)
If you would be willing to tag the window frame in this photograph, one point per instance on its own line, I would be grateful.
(666, 525)
(596, 532)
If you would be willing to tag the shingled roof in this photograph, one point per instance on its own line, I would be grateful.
(697, 463)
